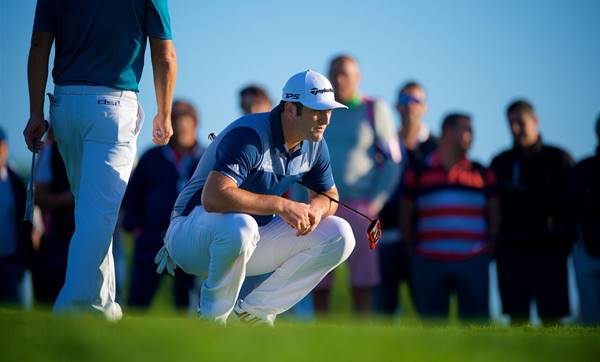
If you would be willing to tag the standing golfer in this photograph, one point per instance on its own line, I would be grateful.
(99, 56)
(230, 221)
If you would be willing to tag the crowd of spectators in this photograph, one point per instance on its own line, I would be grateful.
(445, 217)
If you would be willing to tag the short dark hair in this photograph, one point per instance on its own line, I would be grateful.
(452, 119)
(338, 59)
(408, 85)
(521, 106)
(255, 91)
(183, 108)
(598, 126)
(299, 106)
(342, 57)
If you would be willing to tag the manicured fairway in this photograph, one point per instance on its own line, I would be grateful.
(40, 336)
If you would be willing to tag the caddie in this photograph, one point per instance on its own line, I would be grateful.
(230, 221)
(96, 117)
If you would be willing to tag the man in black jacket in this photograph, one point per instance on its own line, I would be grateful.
(15, 235)
(536, 231)
(587, 254)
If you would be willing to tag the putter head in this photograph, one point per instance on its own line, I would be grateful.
(374, 233)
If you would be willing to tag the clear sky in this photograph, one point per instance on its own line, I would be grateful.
(471, 55)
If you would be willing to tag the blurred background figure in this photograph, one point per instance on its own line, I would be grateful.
(416, 138)
(364, 151)
(15, 235)
(155, 183)
(254, 99)
(416, 142)
(449, 214)
(53, 196)
(536, 231)
(586, 252)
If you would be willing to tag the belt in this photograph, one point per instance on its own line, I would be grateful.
(93, 90)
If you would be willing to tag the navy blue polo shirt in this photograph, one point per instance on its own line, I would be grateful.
(252, 152)
(101, 42)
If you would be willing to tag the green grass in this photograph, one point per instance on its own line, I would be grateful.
(39, 336)
(162, 335)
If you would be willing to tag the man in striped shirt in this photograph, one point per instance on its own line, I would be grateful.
(450, 217)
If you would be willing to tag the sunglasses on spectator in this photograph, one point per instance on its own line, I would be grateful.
(406, 99)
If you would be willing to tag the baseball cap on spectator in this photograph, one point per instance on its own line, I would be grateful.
(311, 89)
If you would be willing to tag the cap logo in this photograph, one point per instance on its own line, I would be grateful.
(292, 96)
(316, 91)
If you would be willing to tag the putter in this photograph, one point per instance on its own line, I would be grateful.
(30, 193)
(373, 231)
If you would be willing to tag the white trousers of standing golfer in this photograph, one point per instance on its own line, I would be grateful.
(96, 130)
(224, 248)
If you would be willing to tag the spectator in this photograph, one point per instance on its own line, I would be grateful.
(450, 215)
(15, 243)
(53, 195)
(586, 254)
(364, 156)
(254, 99)
(156, 181)
(416, 142)
(416, 138)
(536, 231)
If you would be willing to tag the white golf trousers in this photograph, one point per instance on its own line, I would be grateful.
(96, 130)
(224, 248)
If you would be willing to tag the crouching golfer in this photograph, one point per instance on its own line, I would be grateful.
(230, 221)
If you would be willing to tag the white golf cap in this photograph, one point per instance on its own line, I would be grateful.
(311, 89)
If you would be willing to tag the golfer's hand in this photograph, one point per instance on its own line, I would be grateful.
(35, 129)
(296, 215)
(314, 218)
(162, 129)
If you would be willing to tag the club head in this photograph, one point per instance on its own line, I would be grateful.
(374, 233)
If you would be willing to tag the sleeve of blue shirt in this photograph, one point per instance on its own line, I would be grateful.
(158, 21)
(320, 177)
(238, 153)
(45, 20)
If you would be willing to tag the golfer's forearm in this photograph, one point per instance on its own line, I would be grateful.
(323, 204)
(37, 71)
(164, 66)
(233, 199)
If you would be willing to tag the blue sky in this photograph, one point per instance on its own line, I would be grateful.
(473, 56)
